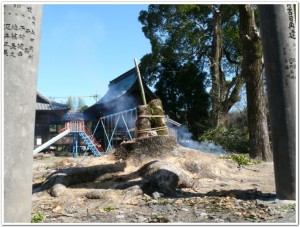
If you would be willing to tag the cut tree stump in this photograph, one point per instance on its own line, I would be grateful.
(141, 149)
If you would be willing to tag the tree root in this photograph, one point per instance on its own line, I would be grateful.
(57, 182)
(163, 177)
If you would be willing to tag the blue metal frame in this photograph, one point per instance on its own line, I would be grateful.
(96, 128)
(112, 135)
(89, 144)
(126, 127)
(75, 145)
(116, 124)
(104, 130)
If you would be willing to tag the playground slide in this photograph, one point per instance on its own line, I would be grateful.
(49, 142)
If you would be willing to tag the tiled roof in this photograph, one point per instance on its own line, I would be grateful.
(43, 103)
(42, 106)
(75, 116)
(51, 106)
(122, 93)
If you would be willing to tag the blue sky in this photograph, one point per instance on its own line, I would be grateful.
(83, 47)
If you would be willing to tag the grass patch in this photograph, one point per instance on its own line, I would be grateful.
(241, 159)
(215, 208)
(291, 206)
(38, 217)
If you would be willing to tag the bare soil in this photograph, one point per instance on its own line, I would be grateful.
(223, 192)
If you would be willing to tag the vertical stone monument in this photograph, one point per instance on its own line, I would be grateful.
(21, 37)
(278, 29)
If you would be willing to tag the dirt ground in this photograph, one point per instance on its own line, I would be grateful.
(224, 193)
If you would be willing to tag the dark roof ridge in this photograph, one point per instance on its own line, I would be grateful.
(122, 77)
(44, 98)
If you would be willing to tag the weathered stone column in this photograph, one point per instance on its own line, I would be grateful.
(21, 31)
(278, 30)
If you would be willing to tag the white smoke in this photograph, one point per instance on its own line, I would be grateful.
(184, 138)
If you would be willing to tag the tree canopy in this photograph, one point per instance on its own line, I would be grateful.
(198, 49)
(77, 104)
(186, 34)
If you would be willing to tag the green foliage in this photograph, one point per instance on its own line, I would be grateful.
(81, 106)
(241, 159)
(181, 40)
(76, 104)
(109, 208)
(176, 36)
(183, 33)
(291, 206)
(71, 103)
(184, 96)
(215, 208)
(233, 139)
(174, 66)
(38, 217)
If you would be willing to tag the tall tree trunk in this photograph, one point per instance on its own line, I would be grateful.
(224, 94)
(252, 72)
(218, 116)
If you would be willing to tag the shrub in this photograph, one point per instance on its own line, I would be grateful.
(233, 138)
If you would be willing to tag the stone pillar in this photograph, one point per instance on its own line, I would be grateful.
(21, 31)
(278, 32)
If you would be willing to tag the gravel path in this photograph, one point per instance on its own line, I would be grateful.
(188, 208)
